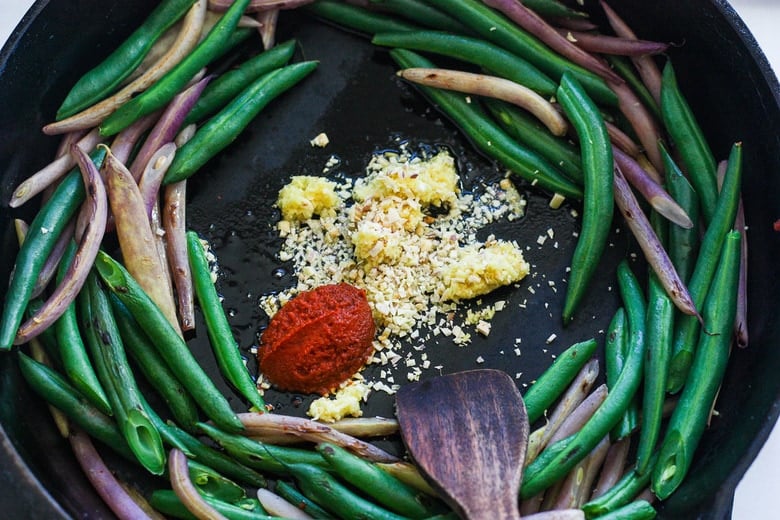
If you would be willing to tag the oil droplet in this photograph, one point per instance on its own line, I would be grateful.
(279, 273)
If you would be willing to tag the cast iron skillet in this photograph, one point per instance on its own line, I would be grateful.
(355, 99)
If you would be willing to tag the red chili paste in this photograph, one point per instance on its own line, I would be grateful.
(318, 339)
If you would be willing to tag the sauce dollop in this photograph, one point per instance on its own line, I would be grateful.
(318, 339)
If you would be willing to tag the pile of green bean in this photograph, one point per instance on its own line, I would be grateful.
(666, 350)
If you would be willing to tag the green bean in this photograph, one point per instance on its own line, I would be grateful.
(573, 409)
(251, 504)
(528, 131)
(614, 344)
(195, 449)
(84, 304)
(159, 94)
(683, 243)
(224, 345)
(169, 344)
(163, 428)
(153, 366)
(218, 460)
(58, 392)
(471, 50)
(328, 492)
(422, 14)
(290, 493)
(275, 425)
(487, 137)
(73, 353)
(102, 80)
(237, 37)
(661, 227)
(638, 510)
(262, 456)
(625, 69)
(357, 18)
(211, 484)
(691, 415)
(279, 506)
(475, 84)
(616, 348)
(48, 337)
(629, 422)
(689, 139)
(117, 378)
(139, 244)
(553, 9)
(496, 28)
(659, 326)
(556, 378)
(686, 327)
(166, 501)
(220, 91)
(622, 493)
(223, 128)
(39, 354)
(550, 467)
(660, 316)
(94, 211)
(378, 484)
(597, 165)
(636, 312)
(41, 237)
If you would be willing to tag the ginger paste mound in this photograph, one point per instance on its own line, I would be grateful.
(318, 340)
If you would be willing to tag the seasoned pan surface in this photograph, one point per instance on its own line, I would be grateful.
(355, 98)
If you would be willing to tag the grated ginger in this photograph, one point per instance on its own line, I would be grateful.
(305, 196)
(433, 182)
(480, 269)
(345, 403)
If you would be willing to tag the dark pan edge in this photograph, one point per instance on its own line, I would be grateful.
(21, 493)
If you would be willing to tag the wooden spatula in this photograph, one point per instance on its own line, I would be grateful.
(468, 433)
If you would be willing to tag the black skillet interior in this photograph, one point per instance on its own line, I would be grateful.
(355, 99)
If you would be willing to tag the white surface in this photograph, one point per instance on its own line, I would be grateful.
(755, 494)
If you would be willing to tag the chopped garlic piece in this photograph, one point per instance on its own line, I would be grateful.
(483, 327)
(557, 201)
(321, 140)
